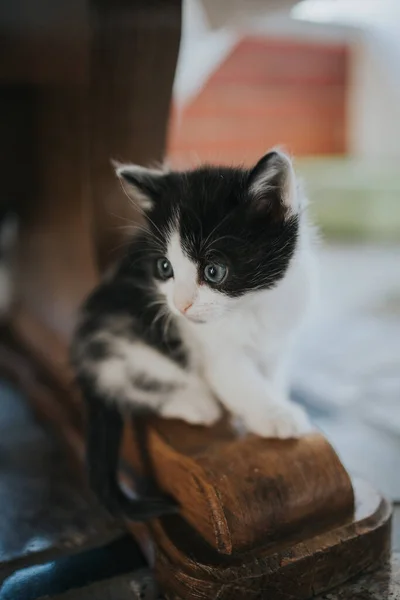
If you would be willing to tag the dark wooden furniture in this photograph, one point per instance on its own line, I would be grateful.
(80, 84)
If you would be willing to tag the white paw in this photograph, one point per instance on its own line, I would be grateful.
(283, 420)
(195, 408)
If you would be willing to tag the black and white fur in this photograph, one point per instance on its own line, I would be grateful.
(161, 334)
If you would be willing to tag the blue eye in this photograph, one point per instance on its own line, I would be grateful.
(164, 268)
(215, 273)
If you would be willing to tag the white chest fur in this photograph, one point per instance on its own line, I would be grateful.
(243, 357)
(260, 328)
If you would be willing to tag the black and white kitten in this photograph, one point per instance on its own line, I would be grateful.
(200, 313)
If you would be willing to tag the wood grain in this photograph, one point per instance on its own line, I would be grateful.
(300, 570)
(240, 492)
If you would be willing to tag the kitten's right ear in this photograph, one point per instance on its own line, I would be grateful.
(272, 184)
(142, 185)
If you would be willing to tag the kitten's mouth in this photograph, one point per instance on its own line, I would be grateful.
(195, 319)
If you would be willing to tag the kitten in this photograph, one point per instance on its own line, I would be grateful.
(201, 312)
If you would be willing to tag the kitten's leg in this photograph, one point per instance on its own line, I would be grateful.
(119, 374)
(255, 399)
(194, 403)
(104, 434)
(176, 393)
(135, 374)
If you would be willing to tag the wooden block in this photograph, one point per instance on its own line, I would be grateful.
(261, 518)
(188, 569)
(240, 492)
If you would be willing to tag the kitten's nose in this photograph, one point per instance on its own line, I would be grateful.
(184, 307)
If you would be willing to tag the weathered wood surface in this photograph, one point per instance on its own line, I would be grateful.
(284, 571)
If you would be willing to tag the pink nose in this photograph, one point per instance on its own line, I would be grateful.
(185, 307)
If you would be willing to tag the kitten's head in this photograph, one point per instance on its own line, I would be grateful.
(219, 233)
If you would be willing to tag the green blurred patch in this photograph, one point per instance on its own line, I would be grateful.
(353, 199)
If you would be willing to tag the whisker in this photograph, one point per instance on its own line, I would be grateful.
(140, 210)
(205, 242)
(224, 237)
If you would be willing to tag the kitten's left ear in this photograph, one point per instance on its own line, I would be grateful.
(141, 184)
(272, 184)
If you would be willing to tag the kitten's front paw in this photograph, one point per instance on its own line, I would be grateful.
(194, 408)
(280, 421)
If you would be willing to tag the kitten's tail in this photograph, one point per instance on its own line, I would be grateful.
(104, 434)
(142, 509)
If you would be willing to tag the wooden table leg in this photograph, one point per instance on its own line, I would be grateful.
(134, 55)
(72, 208)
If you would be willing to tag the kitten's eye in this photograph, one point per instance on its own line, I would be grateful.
(164, 268)
(215, 273)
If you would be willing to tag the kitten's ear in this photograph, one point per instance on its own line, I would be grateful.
(141, 184)
(272, 184)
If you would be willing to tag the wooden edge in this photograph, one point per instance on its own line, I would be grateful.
(42, 343)
(300, 570)
(224, 504)
(186, 480)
